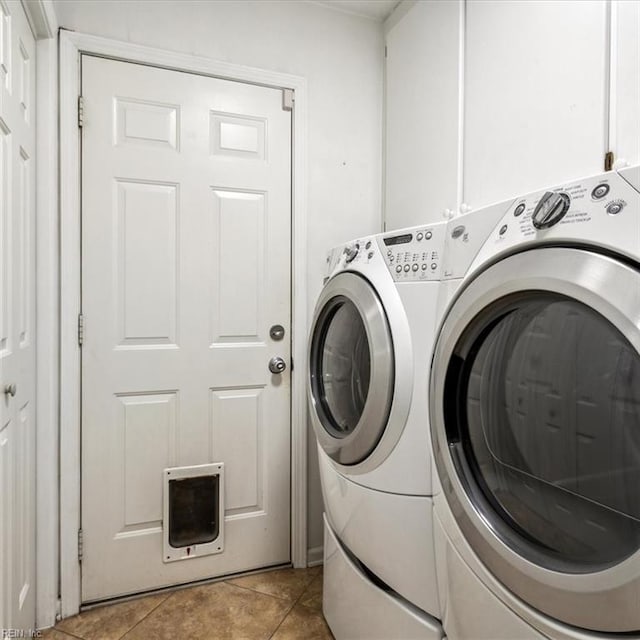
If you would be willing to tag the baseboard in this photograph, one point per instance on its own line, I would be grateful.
(315, 556)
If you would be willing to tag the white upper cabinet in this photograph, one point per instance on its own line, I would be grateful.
(422, 98)
(625, 82)
(534, 96)
(489, 99)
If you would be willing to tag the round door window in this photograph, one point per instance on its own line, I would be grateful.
(344, 368)
(542, 412)
(351, 369)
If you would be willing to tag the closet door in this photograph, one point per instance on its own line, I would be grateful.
(625, 85)
(534, 95)
(422, 99)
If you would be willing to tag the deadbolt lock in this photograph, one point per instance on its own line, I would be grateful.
(276, 332)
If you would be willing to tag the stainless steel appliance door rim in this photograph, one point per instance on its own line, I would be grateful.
(604, 600)
(356, 446)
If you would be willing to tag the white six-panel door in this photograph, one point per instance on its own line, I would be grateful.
(186, 221)
(17, 319)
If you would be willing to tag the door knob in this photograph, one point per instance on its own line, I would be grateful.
(277, 365)
(11, 389)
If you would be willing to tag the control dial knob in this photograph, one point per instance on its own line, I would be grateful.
(550, 210)
(351, 252)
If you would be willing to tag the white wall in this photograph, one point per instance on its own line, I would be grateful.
(339, 54)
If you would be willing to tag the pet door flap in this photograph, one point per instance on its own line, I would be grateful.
(193, 524)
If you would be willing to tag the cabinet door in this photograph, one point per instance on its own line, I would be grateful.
(625, 104)
(535, 95)
(422, 93)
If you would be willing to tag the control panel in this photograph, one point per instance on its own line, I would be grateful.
(414, 255)
(356, 253)
(592, 200)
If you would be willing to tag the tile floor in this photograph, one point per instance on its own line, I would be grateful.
(284, 604)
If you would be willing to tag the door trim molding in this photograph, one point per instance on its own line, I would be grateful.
(43, 22)
(72, 45)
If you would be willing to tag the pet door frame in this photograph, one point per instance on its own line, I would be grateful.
(171, 553)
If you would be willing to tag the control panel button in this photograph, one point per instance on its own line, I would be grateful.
(368, 245)
(389, 253)
(419, 236)
(600, 191)
(614, 208)
(434, 266)
(519, 210)
(503, 229)
(407, 267)
(370, 255)
(398, 268)
(457, 232)
(424, 266)
(551, 208)
(414, 267)
(428, 235)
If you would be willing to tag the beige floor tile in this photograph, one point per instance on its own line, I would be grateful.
(213, 612)
(303, 623)
(312, 596)
(110, 622)
(54, 634)
(282, 583)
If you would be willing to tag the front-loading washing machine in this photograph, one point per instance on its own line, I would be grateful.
(535, 420)
(370, 343)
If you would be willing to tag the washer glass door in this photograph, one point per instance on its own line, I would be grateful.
(351, 372)
(345, 368)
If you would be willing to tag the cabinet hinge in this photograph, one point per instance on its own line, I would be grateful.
(608, 161)
(80, 329)
(288, 99)
(80, 111)
(80, 546)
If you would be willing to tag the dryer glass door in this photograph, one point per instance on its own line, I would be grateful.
(550, 418)
(351, 372)
(535, 408)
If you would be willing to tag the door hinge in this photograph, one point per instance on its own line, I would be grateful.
(608, 161)
(80, 111)
(386, 51)
(80, 546)
(80, 329)
(288, 99)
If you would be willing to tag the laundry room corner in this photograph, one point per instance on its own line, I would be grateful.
(342, 130)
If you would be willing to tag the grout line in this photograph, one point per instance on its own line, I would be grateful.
(230, 583)
(262, 593)
(66, 633)
(297, 600)
(146, 616)
(284, 617)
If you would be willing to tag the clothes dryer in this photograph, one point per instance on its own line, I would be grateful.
(370, 344)
(535, 418)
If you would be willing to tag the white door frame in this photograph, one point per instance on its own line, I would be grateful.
(42, 18)
(72, 45)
